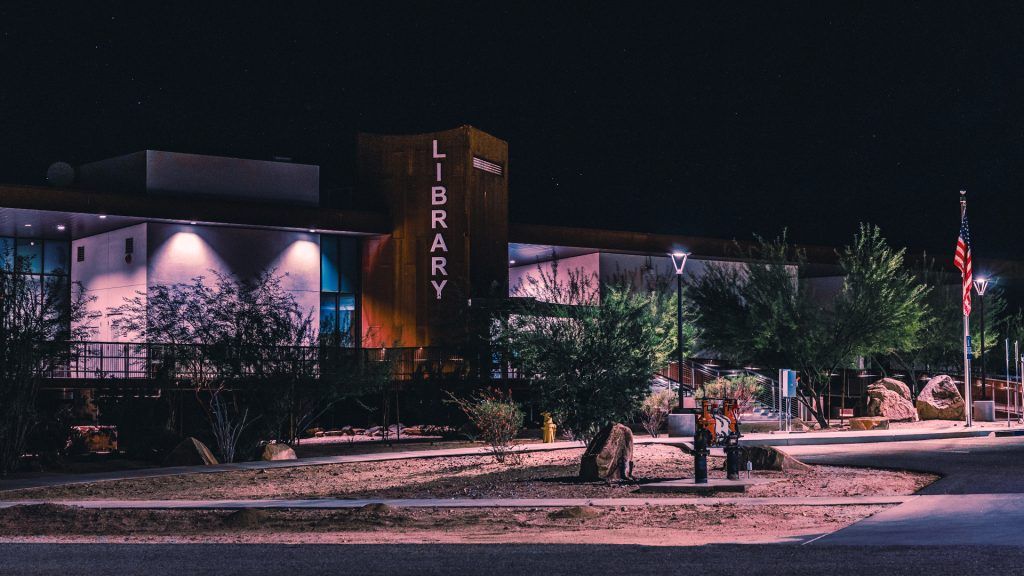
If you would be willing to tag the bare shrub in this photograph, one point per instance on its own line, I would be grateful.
(655, 409)
(498, 417)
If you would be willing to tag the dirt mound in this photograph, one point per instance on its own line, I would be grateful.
(246, 518)
(377, 508)
(575, 513)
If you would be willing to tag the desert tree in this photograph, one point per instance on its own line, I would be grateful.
(763, 312)
(939, 346)
(251, 353)
(589, 351)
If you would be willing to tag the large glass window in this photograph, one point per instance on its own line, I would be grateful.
(339, 287)
(56, 254)
(31, 252)
(45, 262)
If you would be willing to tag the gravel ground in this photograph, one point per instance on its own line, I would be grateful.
(537, 475)
(660, 525)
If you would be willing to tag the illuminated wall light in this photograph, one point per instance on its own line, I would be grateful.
(103, 216)
(193, 223)
(28, 225)
(61, 227)
(312, 231)
(511, 261)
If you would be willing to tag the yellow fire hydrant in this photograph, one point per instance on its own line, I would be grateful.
(548, 429)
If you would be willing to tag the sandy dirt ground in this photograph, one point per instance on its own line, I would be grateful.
(537, 475)
(651, 525)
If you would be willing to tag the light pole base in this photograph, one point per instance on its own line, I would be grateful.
(984, 411)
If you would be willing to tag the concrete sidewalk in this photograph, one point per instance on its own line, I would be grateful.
(341, 503)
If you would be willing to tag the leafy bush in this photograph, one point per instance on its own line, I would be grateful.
(655, 409)
(744, 389)
(497, 416)
(589, 358)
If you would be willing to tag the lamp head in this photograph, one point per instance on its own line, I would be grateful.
(679, 260)
(981, 284)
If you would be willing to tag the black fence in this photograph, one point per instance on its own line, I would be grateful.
(90, 363)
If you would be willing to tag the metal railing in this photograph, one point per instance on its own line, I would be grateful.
(151, 362)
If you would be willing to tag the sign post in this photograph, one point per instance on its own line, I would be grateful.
(787, 390)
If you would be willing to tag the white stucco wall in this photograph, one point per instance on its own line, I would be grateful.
(176, 253)
(179, 252)
(518, 276)
(106, 274)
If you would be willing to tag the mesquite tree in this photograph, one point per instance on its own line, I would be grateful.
(763, 312)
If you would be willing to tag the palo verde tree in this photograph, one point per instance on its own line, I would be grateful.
(762, 312)
(590, 354)
(939, 346)
(37, 321)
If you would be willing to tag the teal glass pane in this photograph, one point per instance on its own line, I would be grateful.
(349, 264)
(56, 255)
(346, 320)
(328, 264)
(6, 252)
(328, 314)
(30, 252)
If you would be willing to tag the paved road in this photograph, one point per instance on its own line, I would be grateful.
(979, 499)
(465, 560)
(968, 465)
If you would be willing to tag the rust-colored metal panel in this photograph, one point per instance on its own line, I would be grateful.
(449, 238)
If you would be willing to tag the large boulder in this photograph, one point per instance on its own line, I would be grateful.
(890, 399)
(895, 385)
(190, 452)
(277, 451)
(769, 458)
(940, 400)
(609, 456)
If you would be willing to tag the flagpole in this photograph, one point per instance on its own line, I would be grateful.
(969, 406)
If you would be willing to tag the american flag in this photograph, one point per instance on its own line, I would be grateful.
(962, 260)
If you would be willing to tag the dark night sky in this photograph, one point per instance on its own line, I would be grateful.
(741, 119)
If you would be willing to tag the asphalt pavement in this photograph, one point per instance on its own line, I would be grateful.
(492, 560)
(981, 489)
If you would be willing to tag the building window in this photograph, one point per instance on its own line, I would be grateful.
(45, 261)
(339, 288)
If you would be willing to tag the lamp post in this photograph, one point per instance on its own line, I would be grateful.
(679, 262)
(980, 285)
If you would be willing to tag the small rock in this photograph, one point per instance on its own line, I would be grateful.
(277, 451)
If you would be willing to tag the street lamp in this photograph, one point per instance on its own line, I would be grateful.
(679, 262)
(980, 285)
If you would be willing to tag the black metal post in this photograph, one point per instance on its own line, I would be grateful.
(732, 457)
(679, 336)
(700, 457)
(981, 298)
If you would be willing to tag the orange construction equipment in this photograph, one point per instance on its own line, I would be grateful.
(717, 420)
